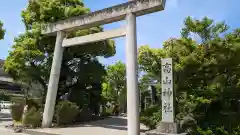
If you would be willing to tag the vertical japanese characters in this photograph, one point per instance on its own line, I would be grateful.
(167, 90)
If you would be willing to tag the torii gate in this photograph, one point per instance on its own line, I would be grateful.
(129, 11)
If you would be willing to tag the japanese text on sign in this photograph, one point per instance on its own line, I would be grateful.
(167, 91)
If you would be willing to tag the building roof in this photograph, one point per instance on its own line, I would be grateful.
(3, 73)
(1, 61)
(5, 76)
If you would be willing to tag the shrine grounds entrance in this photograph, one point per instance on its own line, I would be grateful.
(128, 11)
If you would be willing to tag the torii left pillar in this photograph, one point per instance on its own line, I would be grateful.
(53, 81)
(132, 76)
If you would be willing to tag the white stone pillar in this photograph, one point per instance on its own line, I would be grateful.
(53, 81)
(132, 76)
(167, 91)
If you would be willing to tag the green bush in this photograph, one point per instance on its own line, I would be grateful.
(32, 103)
(109, 110)
(85, 115)
(4, 97)
(17, 111)
(216, 131)
(151, 116)
(66, 112)
(32, 118)
(150, 110)
(105, 111)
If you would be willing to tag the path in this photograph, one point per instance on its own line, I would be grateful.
(110, 126)
(5, 119)
(5, 131)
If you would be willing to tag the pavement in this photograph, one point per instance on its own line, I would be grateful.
(5, 119)
(5, 131)
(109, 126)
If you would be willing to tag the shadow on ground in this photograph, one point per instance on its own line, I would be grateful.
(117, 123)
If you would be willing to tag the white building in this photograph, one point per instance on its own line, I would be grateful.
(5, 106)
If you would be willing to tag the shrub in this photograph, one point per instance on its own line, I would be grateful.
(151, 116)
(32, 103)
(66, 112)
(32, 118)
(217, 131)
(109, 110)
(4, 97)
(17, 111)
(150, 110)
(105, 111)
(85, 115)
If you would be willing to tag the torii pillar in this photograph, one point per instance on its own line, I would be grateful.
(132, 76)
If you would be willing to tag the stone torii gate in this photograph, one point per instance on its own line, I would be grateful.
(129, 11)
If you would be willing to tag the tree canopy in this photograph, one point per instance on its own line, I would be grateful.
(31, 55)
(114, 85)
(2, 31)
(211, 83)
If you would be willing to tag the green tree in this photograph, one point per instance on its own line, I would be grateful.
(145, 82)
(115, 84)
(31, 55)
(2, 31)
(4, 96)
(210, 84)
(205, 28)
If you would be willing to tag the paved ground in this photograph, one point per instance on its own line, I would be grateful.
(4, 131)
(110, 126)
(6, 120)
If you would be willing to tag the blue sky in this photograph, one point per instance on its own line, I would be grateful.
(153, 29)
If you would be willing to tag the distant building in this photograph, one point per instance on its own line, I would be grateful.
(6, 81)
(5, 106)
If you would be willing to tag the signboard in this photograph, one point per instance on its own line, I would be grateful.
(167, 90)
